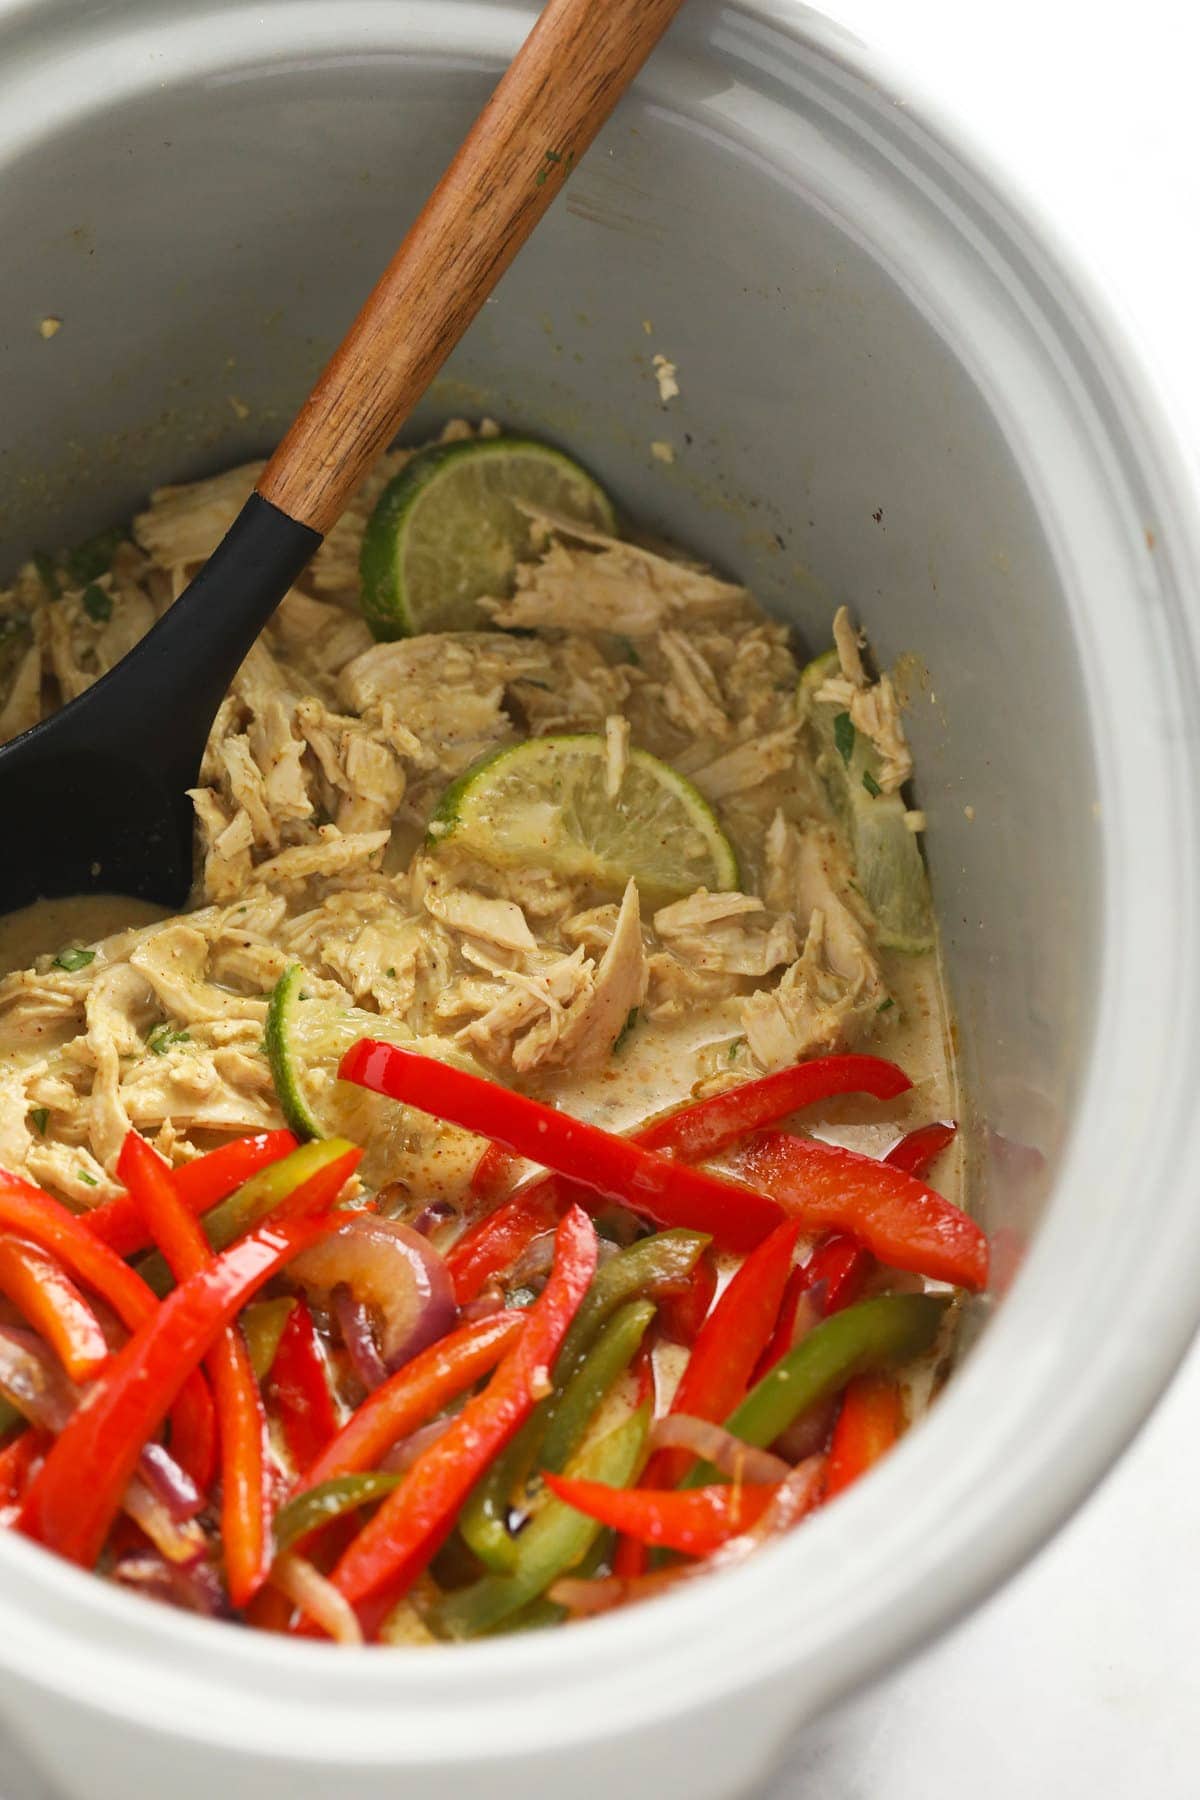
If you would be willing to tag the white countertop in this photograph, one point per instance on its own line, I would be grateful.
(1082, 1677)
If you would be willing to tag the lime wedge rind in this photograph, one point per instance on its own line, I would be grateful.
(449, 529)
(543, 803)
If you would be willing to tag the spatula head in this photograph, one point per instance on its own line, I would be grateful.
(94, 799)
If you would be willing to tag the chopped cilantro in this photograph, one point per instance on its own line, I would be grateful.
(391, 974)
(626, 646)
(872, 786)
(734, 1050)
(93, 557)
(884, 1005)
(74, 958)
(626, 1028)
(41, 1118)
(96, 603)
(90, 1179)
(843, 736)
(164, 1037)
(47, 574)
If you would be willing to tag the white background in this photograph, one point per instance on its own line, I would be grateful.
(1082, 1678)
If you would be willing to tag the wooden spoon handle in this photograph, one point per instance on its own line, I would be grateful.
(565, 80)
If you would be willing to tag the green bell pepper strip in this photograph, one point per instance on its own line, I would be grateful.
(653, 1265)
(544, 1611)
(331, 1500)
(535, 1617)
(568, 1417)
(262, 1326)
(873, 1335)
(558, 1539)
(252, 1203)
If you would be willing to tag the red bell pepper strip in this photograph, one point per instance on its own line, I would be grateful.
(692, 1133)
(899, 1219)
(729, 1345)
(492, 1175)
(839, 1268)
(694, 1520)
(709, 1126)
(629, 1558)
(27, 1210)
(211, 1178)
(17, 1462)
(869, 1423)
(416, 1393)
(680, 1316)
(780, 1341)
(245, 1484)
(39, 1286)
(73, 1501)
(193, 1441)
(298, 1387)
(494, 1244)
(414, 1521)
(199, 1184)
(658, 1187)
(915, 1152)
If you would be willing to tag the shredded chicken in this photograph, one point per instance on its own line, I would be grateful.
(873, 706)
(834, 988)
(323, 767)
(611, 586)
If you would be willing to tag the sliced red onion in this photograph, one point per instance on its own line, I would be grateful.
(161, 1499)
(403, 1455)
(798, 1495)
(197, 1589)
(490, 1301)
(807, 1434)
(393, 1272)
(535, 1260)
(182, 1542)
(354, 1323)
(434, 1216)
(32, 1378)
(731, 1455)
(585, 1598)
(171, 1484)
(307, 1588)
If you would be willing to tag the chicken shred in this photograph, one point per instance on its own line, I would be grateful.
(322, 770)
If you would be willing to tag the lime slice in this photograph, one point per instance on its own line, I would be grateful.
(890, 873)
(306, 1037)
(543, 802)
(448, 530)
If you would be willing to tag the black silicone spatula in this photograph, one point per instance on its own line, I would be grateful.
(94, 798)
